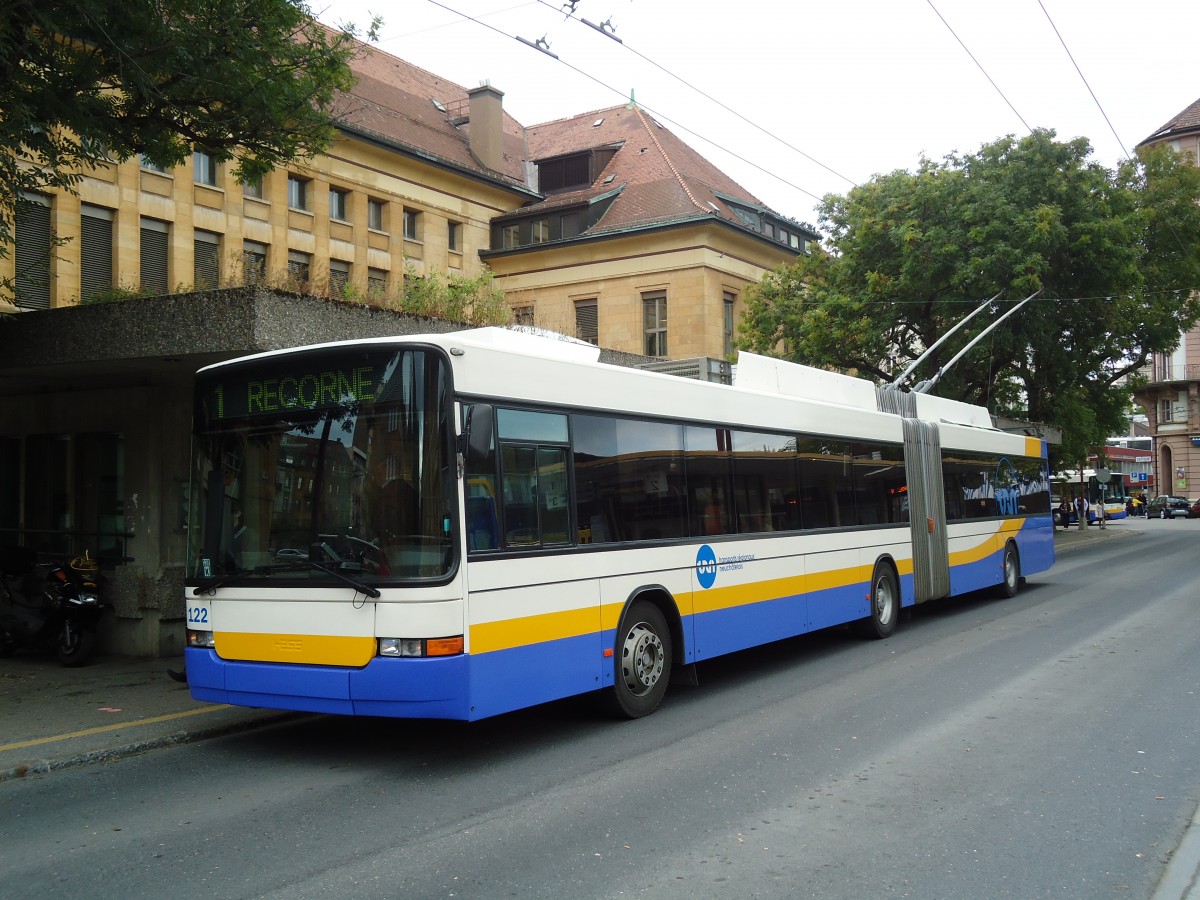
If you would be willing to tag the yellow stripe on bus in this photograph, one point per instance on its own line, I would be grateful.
(524, 631)
(502, 635)
(992, 543)
(303, 649)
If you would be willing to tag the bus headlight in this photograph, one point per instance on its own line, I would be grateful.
(200, 639)
(401, 647)
(418, 647)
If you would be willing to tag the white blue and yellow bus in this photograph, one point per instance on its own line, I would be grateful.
(459, 525)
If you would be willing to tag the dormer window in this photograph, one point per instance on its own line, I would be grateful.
(574, 171)
(567, 173)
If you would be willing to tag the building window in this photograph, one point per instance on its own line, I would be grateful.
(150, 165)
(510, 236)
(339, 204)
(1166, 414)
(728, 299)
(299, 266)
(297, 192)
(412, 225)
(95, 251)
(523, 315)
(587, 321)
(375, 214)
(564, 174)
(34, 239)
(204, 168)
(254, 262)
(207, 260)
(569, 225)
(339, 277)
(539, 231)
(376, 282)
(253, 188)
(454, 236)
(153, 252)
(654, 322)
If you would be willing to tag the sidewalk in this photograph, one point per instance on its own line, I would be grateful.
(54, 718)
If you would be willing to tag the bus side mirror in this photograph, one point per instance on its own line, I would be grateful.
(479, 433)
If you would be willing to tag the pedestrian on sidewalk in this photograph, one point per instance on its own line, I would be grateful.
(1081, 512)
(1064, 514)
(1099, 512)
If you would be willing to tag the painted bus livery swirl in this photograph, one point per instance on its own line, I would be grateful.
(460, 525)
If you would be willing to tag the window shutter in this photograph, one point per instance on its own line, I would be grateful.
(207, 265)
(587, 327)
(154, 257)
(95, 251)
(32, 256)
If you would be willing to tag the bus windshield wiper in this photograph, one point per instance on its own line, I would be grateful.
(359, 586)
(210, 586)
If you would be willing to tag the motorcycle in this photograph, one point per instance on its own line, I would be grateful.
(49, 606)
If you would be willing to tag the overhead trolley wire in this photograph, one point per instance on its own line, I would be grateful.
(713, 99)
(620, 93)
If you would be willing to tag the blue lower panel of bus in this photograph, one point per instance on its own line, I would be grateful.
(409, 688)
(505, 680)
(740, 627)
(452, 687)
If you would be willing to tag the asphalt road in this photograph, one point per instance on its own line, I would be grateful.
(1043, 746)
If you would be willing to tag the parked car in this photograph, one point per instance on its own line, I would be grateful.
(1194, 512)
(1167, 507)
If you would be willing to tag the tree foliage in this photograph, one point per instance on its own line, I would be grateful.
(91, 80)
(1115, 255)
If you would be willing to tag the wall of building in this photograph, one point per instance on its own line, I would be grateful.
(695, 265)
(368, 171)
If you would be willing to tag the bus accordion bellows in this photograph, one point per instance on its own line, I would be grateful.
(459, 525)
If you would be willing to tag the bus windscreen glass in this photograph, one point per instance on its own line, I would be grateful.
(326, 464)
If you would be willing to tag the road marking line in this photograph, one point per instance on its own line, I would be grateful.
(74, 734)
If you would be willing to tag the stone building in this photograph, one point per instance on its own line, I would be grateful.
(1171, 395)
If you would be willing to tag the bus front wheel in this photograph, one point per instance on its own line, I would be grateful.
(643, 661)
(885, 604)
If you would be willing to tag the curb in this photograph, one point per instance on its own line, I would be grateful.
(46, 766)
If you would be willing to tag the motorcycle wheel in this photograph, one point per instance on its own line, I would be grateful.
(75, 646)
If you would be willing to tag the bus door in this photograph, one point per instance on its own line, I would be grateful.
(926, 510)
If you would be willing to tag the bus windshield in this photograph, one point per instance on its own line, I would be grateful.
(327, 466)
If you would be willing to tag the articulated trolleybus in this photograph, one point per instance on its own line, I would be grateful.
(459, 525)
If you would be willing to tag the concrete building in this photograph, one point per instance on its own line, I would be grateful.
(1171, 396)
(647, 250)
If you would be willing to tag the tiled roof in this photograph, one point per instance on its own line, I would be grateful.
(1187, 121)
(395, 101)
(661, 179)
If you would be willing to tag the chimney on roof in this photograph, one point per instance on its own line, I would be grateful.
(487, 125)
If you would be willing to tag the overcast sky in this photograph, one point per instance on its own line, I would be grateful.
(807, 98)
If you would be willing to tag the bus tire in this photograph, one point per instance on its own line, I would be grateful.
(885, 604)
(1012, 573)
(642, 660)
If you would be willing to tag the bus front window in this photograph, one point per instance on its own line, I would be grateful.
(333, 460)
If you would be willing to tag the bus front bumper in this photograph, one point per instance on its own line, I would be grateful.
(401, 688)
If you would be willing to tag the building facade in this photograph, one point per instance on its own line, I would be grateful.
(1171, 395)
(648, 251)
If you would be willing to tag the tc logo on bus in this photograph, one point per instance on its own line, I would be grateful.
(706, 567)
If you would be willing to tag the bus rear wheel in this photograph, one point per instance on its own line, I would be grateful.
(643, 661)
(885, 604)
(1012, 573)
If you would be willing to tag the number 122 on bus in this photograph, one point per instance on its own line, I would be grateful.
(460, 525)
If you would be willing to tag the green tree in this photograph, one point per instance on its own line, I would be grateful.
(90, 80)
(1115, 255)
